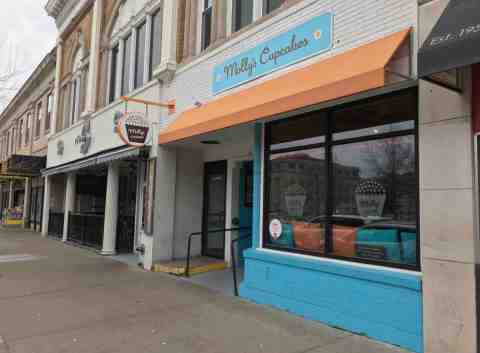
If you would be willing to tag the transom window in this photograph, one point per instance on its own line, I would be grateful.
(342, 183)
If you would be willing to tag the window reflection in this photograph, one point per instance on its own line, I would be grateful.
(355, 199)
(298, 199)
(375, 200)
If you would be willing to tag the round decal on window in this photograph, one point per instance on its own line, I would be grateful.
(275, 229)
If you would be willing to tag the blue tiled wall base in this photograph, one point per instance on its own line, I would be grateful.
(384, 305)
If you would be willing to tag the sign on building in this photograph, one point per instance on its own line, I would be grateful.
(309, 39)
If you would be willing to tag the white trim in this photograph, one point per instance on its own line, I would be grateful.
(343, 262)
(262, 180)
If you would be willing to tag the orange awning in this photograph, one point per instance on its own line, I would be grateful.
(355, 71)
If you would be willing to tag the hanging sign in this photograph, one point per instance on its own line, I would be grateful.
(309, 39)
(134, 129)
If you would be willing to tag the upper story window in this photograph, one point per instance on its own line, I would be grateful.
(20, 133)
(48, 117)
(77, 88)
(207, 14)
(272, 5)
(38, 121)
(127, 59)
(155, 42)
(27, 128)
(112, 95)
(242, 13)
(140, 55)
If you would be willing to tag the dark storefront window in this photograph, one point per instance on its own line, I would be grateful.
(343, 183)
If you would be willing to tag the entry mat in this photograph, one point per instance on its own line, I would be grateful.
(18, 258)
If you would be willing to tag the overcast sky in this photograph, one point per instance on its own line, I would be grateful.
(27, 34)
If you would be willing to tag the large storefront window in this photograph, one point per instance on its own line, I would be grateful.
(343, 183)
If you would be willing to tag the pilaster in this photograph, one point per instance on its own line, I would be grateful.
(111, 210)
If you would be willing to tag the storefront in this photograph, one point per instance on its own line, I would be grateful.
(332, 146)
(95, 182)
(22, 191)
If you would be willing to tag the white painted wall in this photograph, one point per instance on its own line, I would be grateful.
(188, 201)
(102, 130)
(355, 23)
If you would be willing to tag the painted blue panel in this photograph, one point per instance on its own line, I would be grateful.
(245, 211)
(382, 304)
(309, 39)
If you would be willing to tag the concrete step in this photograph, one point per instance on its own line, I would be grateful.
(198, 265)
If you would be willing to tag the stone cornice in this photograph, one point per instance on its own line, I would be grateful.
(55, 7)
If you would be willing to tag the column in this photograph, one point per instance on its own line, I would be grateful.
(91, 96)
(219, 25)
(447, 217)
(11, 194)
(56, 92)
(69, 201)
(26, 202)
(190, 29)
(168, 61)
(46, 205)
(111, 210)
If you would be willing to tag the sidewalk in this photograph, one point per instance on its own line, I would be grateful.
(58, 298)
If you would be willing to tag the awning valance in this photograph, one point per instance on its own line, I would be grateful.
(454, 41)
(98, 159)
(355, 71)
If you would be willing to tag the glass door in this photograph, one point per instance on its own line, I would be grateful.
(214, 208)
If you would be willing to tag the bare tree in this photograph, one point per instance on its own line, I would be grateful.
(8, 73)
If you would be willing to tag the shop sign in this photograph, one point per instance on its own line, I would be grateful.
(309, 39)
(85, 138)
(134, 129)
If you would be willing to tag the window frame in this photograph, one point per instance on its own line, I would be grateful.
(151, 41)
(140, 64)
(267, 7)
(38, 120)
(328, 146)
(49, 112)
(126, 79)
(206, 10)
(237, 12)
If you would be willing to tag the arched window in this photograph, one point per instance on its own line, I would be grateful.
(76, 87)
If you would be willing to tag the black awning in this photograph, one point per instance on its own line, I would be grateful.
(25, 165)
(454, 41)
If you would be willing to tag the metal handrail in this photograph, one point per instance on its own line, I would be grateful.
(189, 243)
(234, 261)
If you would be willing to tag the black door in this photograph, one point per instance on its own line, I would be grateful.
(126, 210)
(213, 240)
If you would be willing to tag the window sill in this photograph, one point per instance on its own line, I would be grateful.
(380, 274)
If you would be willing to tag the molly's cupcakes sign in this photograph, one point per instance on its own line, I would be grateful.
(309, 39)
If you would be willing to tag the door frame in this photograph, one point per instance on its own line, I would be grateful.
(233, 190)
(223, 164)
